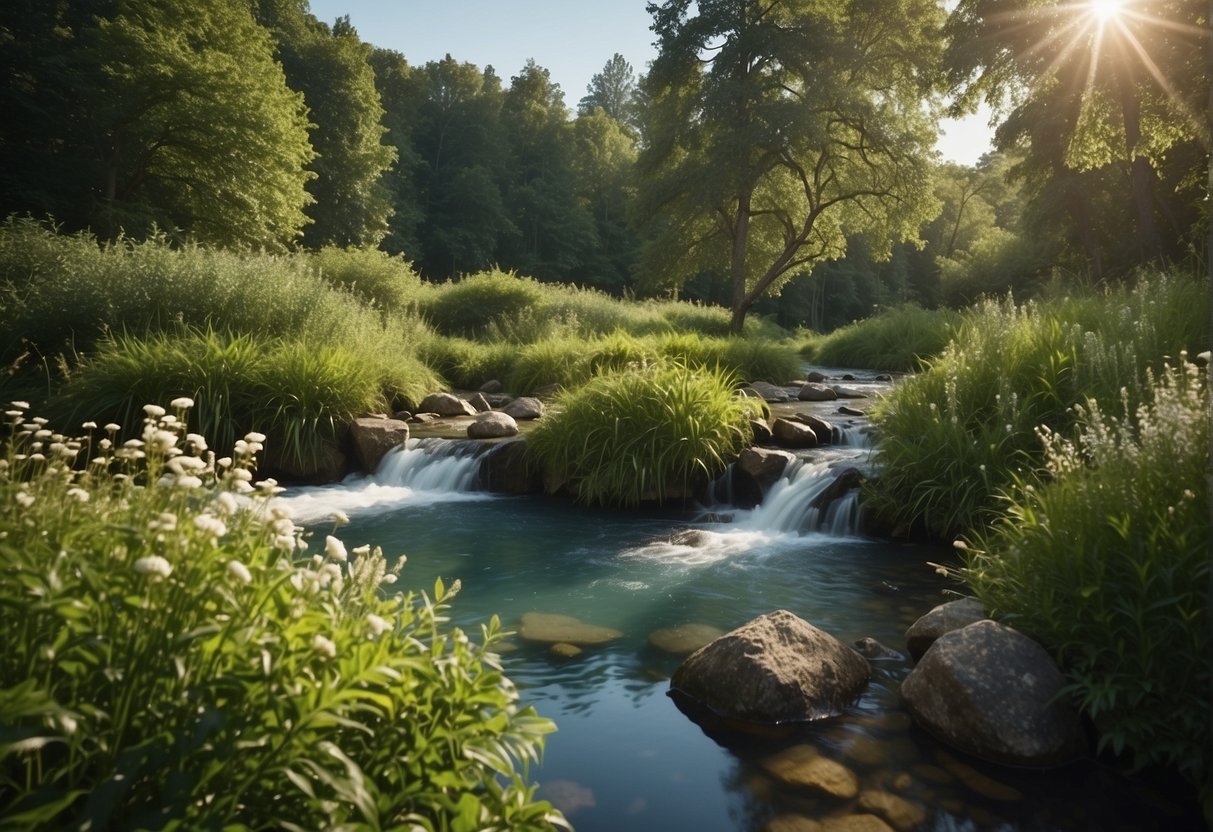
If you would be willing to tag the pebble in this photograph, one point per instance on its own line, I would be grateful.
(565, 650)
(897, 811)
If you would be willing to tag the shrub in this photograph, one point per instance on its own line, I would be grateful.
(468, 307)
(467, 364)
(1108, 564)
(376, 277)
(651, 433)
(897, 339)
(173, 659)
(958, 433)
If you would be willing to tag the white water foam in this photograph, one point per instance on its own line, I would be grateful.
(419, 473)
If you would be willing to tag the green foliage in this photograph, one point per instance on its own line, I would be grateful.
(896, 339)
(962, 431)
(1108, 564)
(377, 278)
(649, 433)
(175, 659)
(468, 364)
(469, 306)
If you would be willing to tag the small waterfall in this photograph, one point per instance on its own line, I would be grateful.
(851, 437)
(441, 465)
(788, 507)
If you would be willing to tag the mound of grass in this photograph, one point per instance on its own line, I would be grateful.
(958, 434)
(375, 277)
(469, 307)
(174, 657)
(897, 339)
(1108, 564)
(652, 433)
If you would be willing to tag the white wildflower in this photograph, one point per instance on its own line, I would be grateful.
(226, 503)
(26, 500)
(239, 572)
(90, 425)
(210, 525)
(377, 625)
(113, 428)
(182, 403)
(364, 549)
(388, 579)
(324, 646)
(335, 549)
(20, 405)
(254, 436)
(340, 518)
(153, 566)
(285, 542)
(241, 474)
(186, 465)
(960, 544)
(188, 481)
(241, 487)
(153, 410)
(78, 494)
(197, 440)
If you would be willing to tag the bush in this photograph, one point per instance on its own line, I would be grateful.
(957, 434)
(651, 433)
(902, 338)
(1108, 564)
(376, 277)
(173, 659)
(468, 307)
(467, 364)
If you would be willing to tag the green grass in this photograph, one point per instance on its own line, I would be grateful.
(1107, 563)
(897, 339)
(386, 282)
(651, 433)
(176, 658)
(956, 435)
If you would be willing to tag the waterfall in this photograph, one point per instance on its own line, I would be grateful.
(789, 506)
(418, 473)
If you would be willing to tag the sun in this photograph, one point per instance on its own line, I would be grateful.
(1106, 11)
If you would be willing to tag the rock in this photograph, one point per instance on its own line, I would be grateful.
(525, 407)
(855, 823)
(689, 537)
(479, 402)
(497, 400)
(769, 392)
(791, 434)
(327, 465)
(764, 467)
(803, 767)
(565, 650)
(492, 386)
(823, 429)
(791, 823)
(864, 750)
(815, 377)
(446, 404)
(424, 418)
(545, 391)
(506, 469)
(683, 639)
(845, 479)
(373, 438)
(554, 628)
(492, 424)
(776, 668)
(994, 693)
(848, 392)
(974, 780)
(402, 415)
(900, 813)
(884, 377)
(814, 392)
(942, 619)
(851, 411)
(760, 430)
(873, 650)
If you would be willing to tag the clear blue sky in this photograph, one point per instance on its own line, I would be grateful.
(572, 39)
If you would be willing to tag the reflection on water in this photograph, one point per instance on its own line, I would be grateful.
(625, 757)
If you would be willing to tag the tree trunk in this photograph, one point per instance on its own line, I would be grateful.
(1141, 176)
(741, 233)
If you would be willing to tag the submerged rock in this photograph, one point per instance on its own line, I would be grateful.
(803, 767)
(776, 668)
(942, 619)
(373, 437)
(683, 639)
(554, 628)
(564, 650)
(900, 813)
(994, 693)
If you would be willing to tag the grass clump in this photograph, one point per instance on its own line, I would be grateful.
(651, 433)
(956, 435)
(897, 339)
(176, 658)
(1108, 564)
(375, 277)
(469, 307)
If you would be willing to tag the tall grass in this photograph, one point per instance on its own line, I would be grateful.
(651, 433)
(902, 338)
(377, 278)
(1108, 564)
(176, 658)
(956, 435)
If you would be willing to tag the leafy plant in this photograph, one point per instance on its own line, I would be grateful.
(648, 433)
(175, 659)
(897, 339)
(1108, 564)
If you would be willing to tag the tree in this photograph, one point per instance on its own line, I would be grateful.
(603, 160)
(126, 115)
(330, 66)
(1090, 86)
(774, 129)
(613, 91)
(402, 92)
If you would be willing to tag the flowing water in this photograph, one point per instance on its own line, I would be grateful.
(625, 757)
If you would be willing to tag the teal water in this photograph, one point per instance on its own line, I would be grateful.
(625, 757)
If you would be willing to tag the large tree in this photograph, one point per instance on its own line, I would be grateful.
(613, 90)
(133, 114)
(776, 128)
(1090, 86)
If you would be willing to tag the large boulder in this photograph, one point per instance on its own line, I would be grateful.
(994, 693)
(845, 479)
(776, 668)
(942, 619)
(492, 425)
(446, 404)
(524, 407)
(814, 392)
(788, 433)
(823, 429)
(769, 392)
(764, 467)
(373, 437)
(506, 470)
